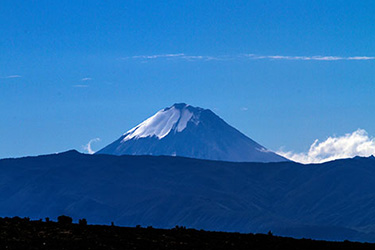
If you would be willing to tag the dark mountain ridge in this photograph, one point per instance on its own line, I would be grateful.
(333, 201)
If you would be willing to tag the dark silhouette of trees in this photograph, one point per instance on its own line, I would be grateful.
(63, 219)
(82, 222)
(18, 233)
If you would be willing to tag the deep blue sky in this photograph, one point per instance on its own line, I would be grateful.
(69, 71)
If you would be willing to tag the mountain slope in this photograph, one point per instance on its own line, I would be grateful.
(183, 130)
(333, 201)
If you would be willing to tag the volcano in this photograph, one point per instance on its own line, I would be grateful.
(187, 131)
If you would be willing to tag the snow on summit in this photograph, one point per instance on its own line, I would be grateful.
(162, 123)
(184, 130)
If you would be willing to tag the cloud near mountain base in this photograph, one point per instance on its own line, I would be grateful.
(353, 144)
(88, 147)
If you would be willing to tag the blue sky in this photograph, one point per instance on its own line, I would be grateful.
(283, 72)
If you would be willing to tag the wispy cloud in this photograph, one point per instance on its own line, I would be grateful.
(205, 58)
(182, 56)
(358, 143)
(244, 109)
(88, 147)
(11, 77)
(81, 86)
(84, 84)
(156, 56)
(176, 56)
(310, 58)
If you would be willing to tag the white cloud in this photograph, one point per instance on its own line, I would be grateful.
(12, 76)
(186, 57)
(88, 148)
(176, 56)
(86, 79)
(81, 86)
(358, 143)
(156, 56)
(310, 58)
(361, 58)
(244, 109)
(203, 58)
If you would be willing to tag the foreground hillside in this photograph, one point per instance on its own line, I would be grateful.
(332, 201)
(23, 234)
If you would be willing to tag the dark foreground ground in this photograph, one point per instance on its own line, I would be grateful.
(17, 233)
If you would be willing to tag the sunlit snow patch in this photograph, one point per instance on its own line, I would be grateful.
(161, 124)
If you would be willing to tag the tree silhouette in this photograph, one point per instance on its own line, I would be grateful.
(63, 219)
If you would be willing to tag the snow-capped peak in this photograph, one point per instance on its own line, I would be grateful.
(162, 123)
(184, 130)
